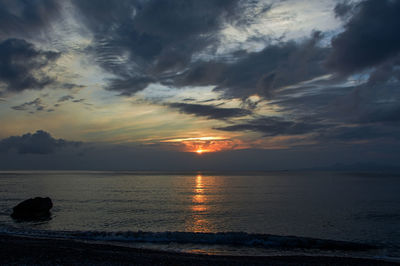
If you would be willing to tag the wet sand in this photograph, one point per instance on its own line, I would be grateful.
(40, 251)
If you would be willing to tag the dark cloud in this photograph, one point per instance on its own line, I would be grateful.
(377, 100)
(177, 19)
(386, 74)
(78, 100)
(40, 142)
(36, 105)
(384, 115)
(373, 101)
(344, 9)
(22, 17)
(21, 65)
(72, 86)
(354, 114)
(274, 126)
(358, 133)
(260, 72)
(128, 85)
(151, 36)
(142, 42)
(210, 111)
(65, 98)
(370, 37)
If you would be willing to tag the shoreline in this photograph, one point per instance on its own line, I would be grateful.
(31, 250)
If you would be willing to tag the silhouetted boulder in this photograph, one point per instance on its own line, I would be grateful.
(33, 209)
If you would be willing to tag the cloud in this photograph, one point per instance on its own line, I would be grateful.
(70, 86)
(143, 42)
(386, 115)
(71, 98)
(78, 100)
(20, 17)
(344, 9)
(359, 133)
(274, 126)
(370, 37)
(150, 36)
(22, 66)
(375, 101)
(40, 142)
(65, 98)
(260, 72)
(36, 104)
(210, 111)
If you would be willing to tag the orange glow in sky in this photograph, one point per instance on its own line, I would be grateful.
(203, 145)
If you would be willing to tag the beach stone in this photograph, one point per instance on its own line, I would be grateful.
(32, 209)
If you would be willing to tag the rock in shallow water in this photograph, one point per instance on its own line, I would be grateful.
(33, 209)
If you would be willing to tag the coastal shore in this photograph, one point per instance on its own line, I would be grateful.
(46, 251)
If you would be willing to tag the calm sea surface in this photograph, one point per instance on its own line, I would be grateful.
(339, 206)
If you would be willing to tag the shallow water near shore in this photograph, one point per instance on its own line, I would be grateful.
(165, 210)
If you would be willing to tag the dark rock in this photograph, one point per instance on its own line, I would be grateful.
(33, 209)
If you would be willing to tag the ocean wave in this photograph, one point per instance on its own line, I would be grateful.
(221, 238)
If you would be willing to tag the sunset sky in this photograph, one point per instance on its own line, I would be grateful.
(198, 85)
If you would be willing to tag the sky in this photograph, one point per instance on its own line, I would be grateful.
(192, 85)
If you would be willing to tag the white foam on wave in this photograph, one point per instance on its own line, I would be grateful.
(221, 238)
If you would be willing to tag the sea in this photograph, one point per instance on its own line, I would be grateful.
(254, 214)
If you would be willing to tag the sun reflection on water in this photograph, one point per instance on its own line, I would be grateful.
(199, 208)
(199, 198)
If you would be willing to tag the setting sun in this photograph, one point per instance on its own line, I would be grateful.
(203, 145)
(201, 151)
